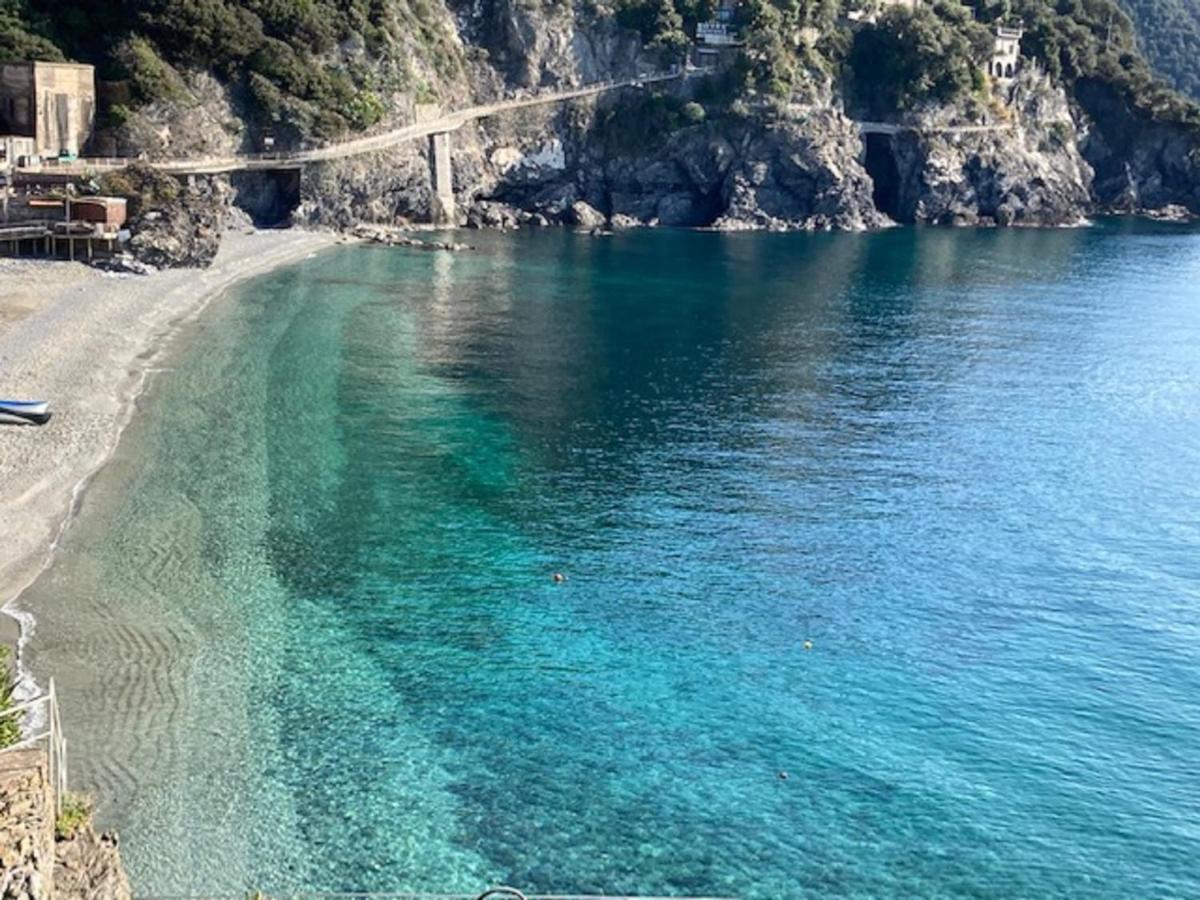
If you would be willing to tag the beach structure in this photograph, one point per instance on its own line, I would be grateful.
(52, 104)
(60, 224)
(15, 147)
(1006, 54)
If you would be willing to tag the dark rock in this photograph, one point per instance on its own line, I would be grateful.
(172, 223)
(1141, 164)
(1024, 170)
(492, 214)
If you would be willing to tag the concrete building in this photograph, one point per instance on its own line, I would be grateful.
(719, 31)
(1006, 55)
(52, 103)
(717, 36)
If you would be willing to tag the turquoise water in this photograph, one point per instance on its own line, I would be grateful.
(307, 634)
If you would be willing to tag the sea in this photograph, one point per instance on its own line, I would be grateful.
(665, 562)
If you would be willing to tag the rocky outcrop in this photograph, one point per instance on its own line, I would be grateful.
(800, 170)
(183, 233)
(171, 222)
(88, 865)
(1019, 166)
(799, 173)
(33, 864)
(1141, 164)
(26, 826)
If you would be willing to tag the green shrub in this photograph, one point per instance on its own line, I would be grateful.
(150, 78)
(364, 110)
(76, 812)
(693, 113)
(10, 725)
(144, 187)
(118, 115)
(20, 38)
(905, 58)
(641, 123)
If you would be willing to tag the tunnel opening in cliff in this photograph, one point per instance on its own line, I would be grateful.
(268, 197)
(881, 165)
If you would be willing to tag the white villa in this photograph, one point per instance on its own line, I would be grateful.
(1006, 56)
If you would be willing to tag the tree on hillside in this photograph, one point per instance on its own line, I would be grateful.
(929, 54)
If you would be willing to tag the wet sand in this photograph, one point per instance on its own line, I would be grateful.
(86, 341)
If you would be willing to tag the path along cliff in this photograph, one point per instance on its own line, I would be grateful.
(537, 142)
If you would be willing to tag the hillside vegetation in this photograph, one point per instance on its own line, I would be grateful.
(1169, 32)
(321, 68)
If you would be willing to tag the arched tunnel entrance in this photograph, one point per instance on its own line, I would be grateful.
(268, 197)
(881, 165)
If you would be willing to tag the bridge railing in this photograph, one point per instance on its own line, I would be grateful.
(43, 713)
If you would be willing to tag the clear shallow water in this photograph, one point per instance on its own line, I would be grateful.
(307, 636)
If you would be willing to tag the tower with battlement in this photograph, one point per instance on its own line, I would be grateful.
(1006, 53)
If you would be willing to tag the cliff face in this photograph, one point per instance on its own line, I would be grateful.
(1031, 157)
(774, 168)
(26, 826)
(34, 865)
(1140, 164)
(801, 172)
(529, 44)
(675, 161)
(1021, 168)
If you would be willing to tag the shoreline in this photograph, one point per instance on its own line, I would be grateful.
(88, 341)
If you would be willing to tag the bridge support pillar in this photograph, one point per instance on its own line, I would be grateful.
(442, 210)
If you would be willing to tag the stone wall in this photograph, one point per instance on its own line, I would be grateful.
(33, 865)
(89, 865)
(26, 826)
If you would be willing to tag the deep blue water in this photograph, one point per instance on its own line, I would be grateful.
(310, 638)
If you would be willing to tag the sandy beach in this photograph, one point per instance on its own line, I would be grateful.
(86, 341)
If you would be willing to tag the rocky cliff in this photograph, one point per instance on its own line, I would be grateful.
(776, 167)
(35, 864)
(1140, 162)
(1021, 165)
(701, 152)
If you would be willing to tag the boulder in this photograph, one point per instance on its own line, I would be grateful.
(586, 216)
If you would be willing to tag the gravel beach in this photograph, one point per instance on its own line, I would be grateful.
(85, 340)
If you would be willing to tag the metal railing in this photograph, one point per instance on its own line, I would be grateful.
(51, 734)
